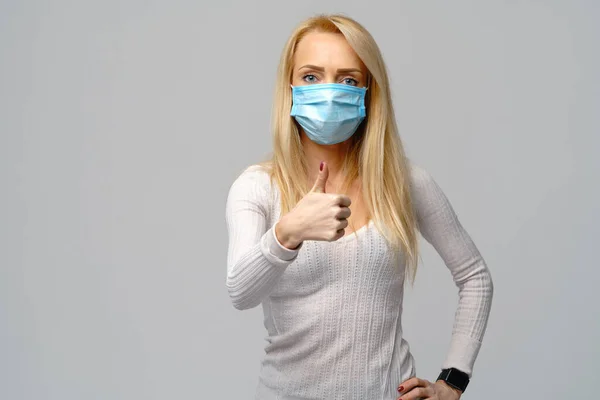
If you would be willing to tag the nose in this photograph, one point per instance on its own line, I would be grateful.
(329, 78)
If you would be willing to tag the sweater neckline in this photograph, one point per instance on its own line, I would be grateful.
(358, 232)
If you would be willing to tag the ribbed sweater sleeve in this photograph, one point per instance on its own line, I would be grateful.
(255, 258)
(440, 226)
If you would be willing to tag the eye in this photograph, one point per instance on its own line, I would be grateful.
(350, 81)
(310, 78)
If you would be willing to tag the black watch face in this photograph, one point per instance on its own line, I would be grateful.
(455, 378)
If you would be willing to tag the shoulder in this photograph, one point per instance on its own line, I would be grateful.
(431, 205)
(254, 182)
(255, 175)
(426, 194)
(419, 177)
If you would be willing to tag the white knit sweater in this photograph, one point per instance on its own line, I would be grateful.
(332, 310)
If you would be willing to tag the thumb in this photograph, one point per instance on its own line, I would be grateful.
(319, 186)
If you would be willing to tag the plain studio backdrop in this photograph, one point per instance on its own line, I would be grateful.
(124, 123)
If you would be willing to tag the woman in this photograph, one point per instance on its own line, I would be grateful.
(323, 233)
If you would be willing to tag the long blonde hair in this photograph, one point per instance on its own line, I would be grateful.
(376, 153)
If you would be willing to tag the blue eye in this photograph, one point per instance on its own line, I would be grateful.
(350, 81)
(310, 78)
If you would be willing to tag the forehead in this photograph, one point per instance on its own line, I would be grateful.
(325, 49)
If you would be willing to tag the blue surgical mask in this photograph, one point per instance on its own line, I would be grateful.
(329, 113)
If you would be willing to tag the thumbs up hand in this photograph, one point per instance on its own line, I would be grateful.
(317, 216)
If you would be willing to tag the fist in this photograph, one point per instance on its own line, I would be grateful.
(319, 215)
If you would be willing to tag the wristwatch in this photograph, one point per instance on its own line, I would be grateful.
(455, 378)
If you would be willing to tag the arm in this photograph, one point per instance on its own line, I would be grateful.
(255, 258)
(440, 226)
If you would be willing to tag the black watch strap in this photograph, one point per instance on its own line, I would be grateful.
(455, 378)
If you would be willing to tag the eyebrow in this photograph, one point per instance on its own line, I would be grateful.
(342, 70)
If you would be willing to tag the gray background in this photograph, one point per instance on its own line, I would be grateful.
(123, 124)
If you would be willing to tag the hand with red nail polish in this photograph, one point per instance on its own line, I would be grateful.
(317, 216)
(417, 389)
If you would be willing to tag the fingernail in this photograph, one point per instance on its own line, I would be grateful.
(401, 388)
(321, 166)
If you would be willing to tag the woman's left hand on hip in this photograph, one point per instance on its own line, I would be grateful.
(416, 389)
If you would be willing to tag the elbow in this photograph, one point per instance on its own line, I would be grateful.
(479, 278)
(487, 282)
(490, 284)
(240, 299)
(483, 282)
(240, 304)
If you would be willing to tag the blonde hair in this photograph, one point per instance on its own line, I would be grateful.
(376, 154)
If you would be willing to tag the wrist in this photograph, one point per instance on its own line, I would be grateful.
(454, 379)
(286, 235)
(452, 389)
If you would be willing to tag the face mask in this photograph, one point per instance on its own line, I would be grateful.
(329, 113)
